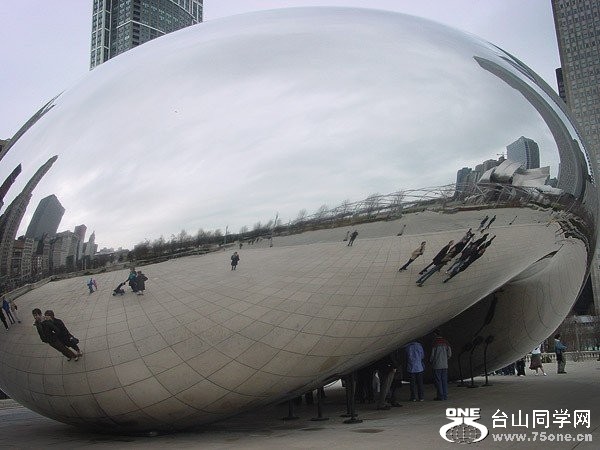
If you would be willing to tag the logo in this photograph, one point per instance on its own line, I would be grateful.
(463, 429)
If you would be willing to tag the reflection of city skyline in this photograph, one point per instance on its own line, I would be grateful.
(520, 167)
(42, 250)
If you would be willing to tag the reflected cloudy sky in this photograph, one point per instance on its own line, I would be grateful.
(240, 118)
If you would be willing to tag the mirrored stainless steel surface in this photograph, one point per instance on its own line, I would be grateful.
(287, 131)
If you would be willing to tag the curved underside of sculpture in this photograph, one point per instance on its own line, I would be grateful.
(263, 114)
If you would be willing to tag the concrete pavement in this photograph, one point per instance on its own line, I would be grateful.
(412, 426)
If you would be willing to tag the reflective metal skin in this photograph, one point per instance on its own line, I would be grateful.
(234, 121)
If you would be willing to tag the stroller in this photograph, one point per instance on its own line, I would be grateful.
(119, 290)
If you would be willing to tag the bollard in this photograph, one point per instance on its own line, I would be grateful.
(347, 383)
(488, 341)
(466, 348)
(290, 415)
(478, 340)
(319, 417)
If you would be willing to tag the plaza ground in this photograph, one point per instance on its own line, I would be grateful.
(412, 426)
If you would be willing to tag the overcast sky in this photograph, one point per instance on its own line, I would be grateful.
(44, 44)
(45, 47)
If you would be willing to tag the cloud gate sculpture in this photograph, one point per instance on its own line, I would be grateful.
(318, 122)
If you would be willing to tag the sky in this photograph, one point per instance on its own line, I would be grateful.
(50, 55)
(44, 45)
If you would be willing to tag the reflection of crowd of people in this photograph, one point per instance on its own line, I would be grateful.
(464, 253)
(137, 283)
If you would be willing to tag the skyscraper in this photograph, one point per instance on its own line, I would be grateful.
(525, 151)
(119, 25)
(577, 25)
(46, 218)
(11, 218)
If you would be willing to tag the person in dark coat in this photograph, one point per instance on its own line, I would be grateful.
(235, 258)
(132, 279)
(49, 333)
(64, 335)
(437, 259)
(482, 224)
(140, 282)
(3, 319)
(352, 238)
(489, 224)
(438, 262)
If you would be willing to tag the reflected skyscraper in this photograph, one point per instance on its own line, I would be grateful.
(11, 219)
(525, 151)
(577, 25)
(46, 218)
(120, 25)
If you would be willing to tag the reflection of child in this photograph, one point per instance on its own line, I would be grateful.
(14, 309)
(91, 285)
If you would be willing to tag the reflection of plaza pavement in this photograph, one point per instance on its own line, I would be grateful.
(413, 426)
(286, 317)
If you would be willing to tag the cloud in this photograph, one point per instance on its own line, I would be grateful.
(237, 120)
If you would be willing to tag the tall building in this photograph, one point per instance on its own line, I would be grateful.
(80, 231)
(525, 151)
(577, 25)
(46, 218)
(120, 25)
(11, 218)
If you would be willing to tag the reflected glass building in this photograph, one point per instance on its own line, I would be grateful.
(525, 151)
(577, 25)
(46, 218)
(120, 25)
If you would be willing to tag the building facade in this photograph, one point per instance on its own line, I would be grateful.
(577, 25)
(120, 25)
(525, 151)
(46, 218)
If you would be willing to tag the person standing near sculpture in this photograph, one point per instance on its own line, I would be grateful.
(440, 354)
(64, 335)
(14, 309)
(559, 349)
(49, 333)
(414, 255)
(386, 371)
(536, 360)
(235, 258)
(90, 285)
(415, 369)
(437, 259)
(3, 319)
(352, 238)
(132, 279)
(140, 282)
(487, 227)
(6, 308)
(482, 223)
